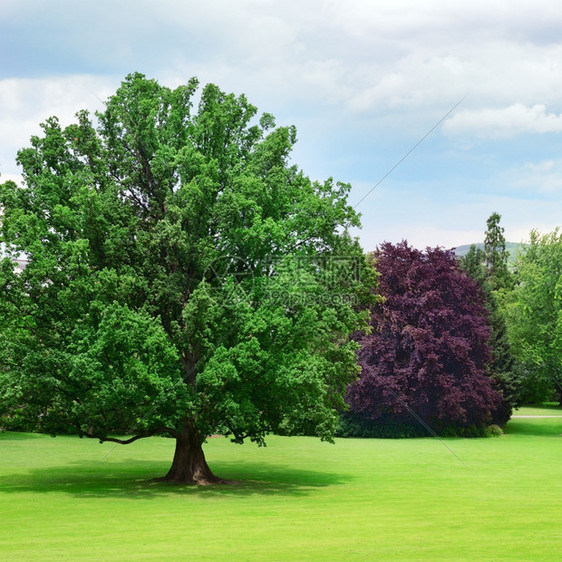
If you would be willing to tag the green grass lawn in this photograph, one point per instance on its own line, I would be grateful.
(546, 409)
(300, 499)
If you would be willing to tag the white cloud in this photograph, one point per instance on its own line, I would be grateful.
(353, 76)
(412, 55)
(504, 122)
(25, 103)
(542, 178)
(62, 95)
(17, 178)
(372, 58)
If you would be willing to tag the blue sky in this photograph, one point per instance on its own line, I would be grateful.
(363, 81)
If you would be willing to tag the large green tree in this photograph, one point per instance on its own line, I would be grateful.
(534, 310)
(183, 277)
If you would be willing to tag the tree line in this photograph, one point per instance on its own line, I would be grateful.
(184, 278)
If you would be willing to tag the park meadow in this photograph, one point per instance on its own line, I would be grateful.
(169, 273)
(296, 499)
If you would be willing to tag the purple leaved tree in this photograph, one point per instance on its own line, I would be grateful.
(428, 352)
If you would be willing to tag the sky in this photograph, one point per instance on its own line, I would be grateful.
(460, 101)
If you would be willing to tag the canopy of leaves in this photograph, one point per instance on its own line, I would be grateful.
(534, 310)
(428, 352)
(180, 271)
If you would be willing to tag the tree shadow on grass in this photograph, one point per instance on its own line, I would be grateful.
(543, 427)
(135, 480)
(17, 436)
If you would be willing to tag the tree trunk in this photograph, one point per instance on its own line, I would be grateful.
(189, 465)
(558, 389)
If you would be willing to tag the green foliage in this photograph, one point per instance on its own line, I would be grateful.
(181, 273)
(494, 430)
(392, 427)
(473, 264)
(385, 427)
(534, 313)
(511, 248)
(495, 254)
(488, 267)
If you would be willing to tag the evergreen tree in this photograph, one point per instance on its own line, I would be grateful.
(489, 269)
(495, 254)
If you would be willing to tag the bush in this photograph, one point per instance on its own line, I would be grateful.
(353, 425)
(494, 430)
(390, 427)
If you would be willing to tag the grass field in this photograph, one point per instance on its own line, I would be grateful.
(300, 499)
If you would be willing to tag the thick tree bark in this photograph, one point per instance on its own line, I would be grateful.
(189, 465)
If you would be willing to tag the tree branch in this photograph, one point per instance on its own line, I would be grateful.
(103, 438)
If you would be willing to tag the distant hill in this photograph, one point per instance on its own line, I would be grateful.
(511, 247)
